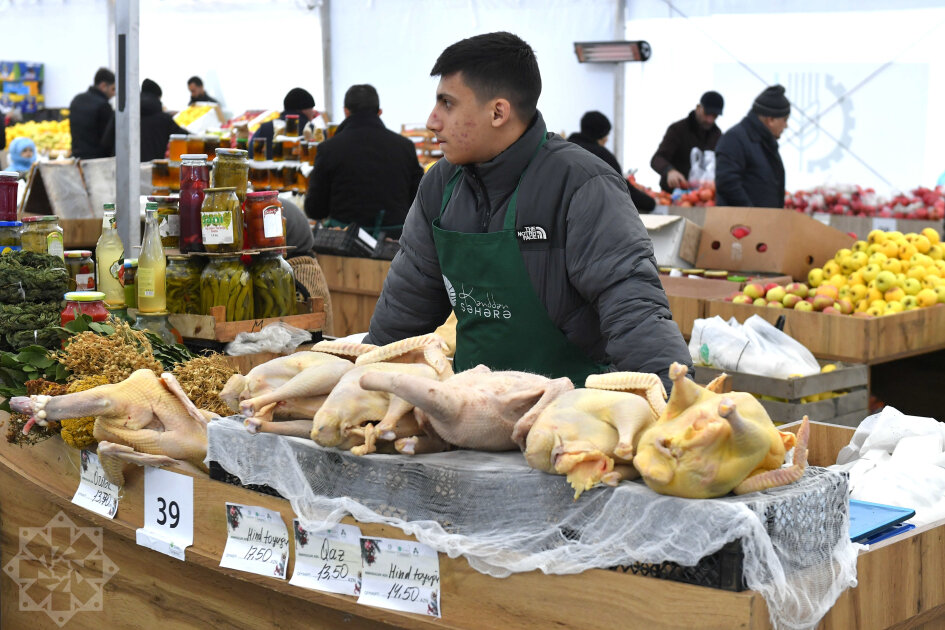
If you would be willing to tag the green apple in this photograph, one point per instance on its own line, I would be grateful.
(910, 302)
(870, 271)
(775, 294)
(804, 306)
(911, 286)
(885, 281)
(760, 302)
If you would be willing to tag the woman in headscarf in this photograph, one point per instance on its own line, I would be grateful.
(22, 155)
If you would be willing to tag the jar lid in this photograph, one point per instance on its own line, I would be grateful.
(193, 156)
(220, 189)
(291, 115)
(73, 253)
(43, 219)
(178, 136)
(12, 174)
(11, 223)
(178, 257)
(262, 194)
(108, 206)
(233, 152)
(86, 252)
(84, 296)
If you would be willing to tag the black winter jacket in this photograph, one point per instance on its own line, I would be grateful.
(156, 129)
(594, 273)
(89, 114)
(642, 201)
(680, 139)
(748, 167)
(363, 169)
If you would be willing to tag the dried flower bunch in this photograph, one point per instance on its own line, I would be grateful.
(203, 378)
(113, 356)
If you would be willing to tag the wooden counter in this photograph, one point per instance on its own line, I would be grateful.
(150, 589)
(355, 285)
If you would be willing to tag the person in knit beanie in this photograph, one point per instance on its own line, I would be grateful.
(748, 166)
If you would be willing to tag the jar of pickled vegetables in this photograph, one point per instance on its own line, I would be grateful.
(10, 235)
(81, 270)
(194, 178)
(273, 286)
(226, 282)
(182, 279)
(158, 324)
(9, 180)
(263, 220)
(42, 235)
(89, 303)
(168, 215)
(231, 168)
(221, 220)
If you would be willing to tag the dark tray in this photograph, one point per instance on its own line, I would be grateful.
(341, 242)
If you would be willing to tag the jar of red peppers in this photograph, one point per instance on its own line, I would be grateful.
(194, 178)
(81, 270)
(263, 220)
(90, 303)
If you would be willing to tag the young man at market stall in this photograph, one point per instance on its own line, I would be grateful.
(533, 242)
(365, 173)
(197, 93)
(696, 131)
(297, 101)
(595, 129)
(89, 115)
(748, 167)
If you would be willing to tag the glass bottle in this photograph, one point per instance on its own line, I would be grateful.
(194, 178)
(151, 265)
(109, 251)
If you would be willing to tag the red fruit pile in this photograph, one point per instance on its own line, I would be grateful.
(926, 204)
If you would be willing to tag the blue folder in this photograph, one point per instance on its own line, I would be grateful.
(869, 520)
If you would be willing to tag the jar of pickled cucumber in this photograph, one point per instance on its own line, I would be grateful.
(221, 220)
(231, 168)
(273, 286)
(226, 282)
(168, 216)
(182, 279)
(42, 235)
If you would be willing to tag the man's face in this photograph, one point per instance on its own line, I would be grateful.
(705, 120)
(195, 90)
(462, 124)
(109, 90)
(775, 125)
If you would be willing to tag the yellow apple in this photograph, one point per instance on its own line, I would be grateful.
(911, 286)
(803, 305)
(910, 303)
(906, 251)
(937, 251)
(877, 237)
(858, 292)
(894, 294)
(815, 277)
(885, 281)
(860, 246)
(870, 271)
(841, 254)
(932, 235)
(876, 311)
(940, 292)
(926, 298)
(858, 260)
(877, 258)
(922, 243)
(892, 264)
(831, 268)
(893, 307)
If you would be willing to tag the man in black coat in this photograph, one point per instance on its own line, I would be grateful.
(197, 92)
(593, 136)
(365, 174)
(156, 124)
(697, 130)
(748, 167)
(89, 115)
(297, 101)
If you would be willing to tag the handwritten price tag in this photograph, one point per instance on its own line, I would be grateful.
(95, 492)
(328, 560)
(168, 512)
(400, 575)
(257, 541)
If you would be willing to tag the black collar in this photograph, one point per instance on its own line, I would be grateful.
(501, 174)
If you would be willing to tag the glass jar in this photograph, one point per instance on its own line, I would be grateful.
(259, 176)
(275, 178)
(226, 282)
(182, 279)
(273, 286)
(290, 148)
(292, 125)
(8, 185)
(177, 146)
(42, 235)
(195, 144)
(91, 303)
(168, 212)
(231, 168)
(211, 143)
(259, 149)
(160, 174)
(277, 155)
(129, 281)
(262, 220)
(10, 234)
(81, 270)
(158, 324)
(194, 178)
(301, 181)
(312, 152)
(221, 220)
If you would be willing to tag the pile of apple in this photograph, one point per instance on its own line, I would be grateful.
(888, 273)
(926, 204)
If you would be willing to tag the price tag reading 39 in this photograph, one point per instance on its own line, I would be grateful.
(257, 541)
(400, 575)
(95, 492)
(328, 560)
(168, 512)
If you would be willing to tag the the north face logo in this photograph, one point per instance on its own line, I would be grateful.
(532, 233)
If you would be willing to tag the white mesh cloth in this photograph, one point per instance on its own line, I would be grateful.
(505, 517)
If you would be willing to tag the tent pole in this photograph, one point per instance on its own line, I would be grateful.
(127, 125)
(325, 17)
(620, 72)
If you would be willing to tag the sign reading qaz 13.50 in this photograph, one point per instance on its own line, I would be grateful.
(257, 541)
(328, 560)
(95, 492)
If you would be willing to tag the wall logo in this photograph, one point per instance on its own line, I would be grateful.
(532, 233)
(60, 569)
(824, 122)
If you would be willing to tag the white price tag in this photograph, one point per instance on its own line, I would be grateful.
(168, 512)
(95, 492)
(400, 575)
(884, 223)
(823, 217)
(328, 560)
(257, 541)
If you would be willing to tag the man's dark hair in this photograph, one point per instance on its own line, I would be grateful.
(495, 65)
(195, 80)
(362, 99)
(104, 75)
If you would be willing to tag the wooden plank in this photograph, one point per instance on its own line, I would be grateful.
(826, 440)
(846, 376)
(355, 285)
(685, 310)
(215, 327)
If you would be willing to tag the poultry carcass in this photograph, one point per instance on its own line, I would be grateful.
(475, 409)
(590, 434)
(346, 418)
(145, 420)
(707, 444)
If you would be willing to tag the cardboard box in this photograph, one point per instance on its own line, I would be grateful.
(775, 241)
(675, 239)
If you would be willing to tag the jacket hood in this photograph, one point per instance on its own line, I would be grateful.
(757, 130)
(150, 105)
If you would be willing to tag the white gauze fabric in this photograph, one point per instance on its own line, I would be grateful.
(505, 517)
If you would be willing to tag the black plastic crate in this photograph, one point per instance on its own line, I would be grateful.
(341, 242)
(385, 249)
(722, 569)
(219, 473)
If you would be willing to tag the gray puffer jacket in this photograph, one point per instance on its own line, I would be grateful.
(594, 272)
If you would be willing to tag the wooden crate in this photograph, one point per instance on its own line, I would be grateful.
(355, 285)
(214, 327)
(869, 340)
(847, 409)
(685, 310)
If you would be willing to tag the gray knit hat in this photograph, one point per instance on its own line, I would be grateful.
(772, 102)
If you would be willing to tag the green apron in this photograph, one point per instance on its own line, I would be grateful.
(501, 323)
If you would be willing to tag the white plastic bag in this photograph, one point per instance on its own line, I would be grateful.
(279, 337)
(755, 347)
(701, 167)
